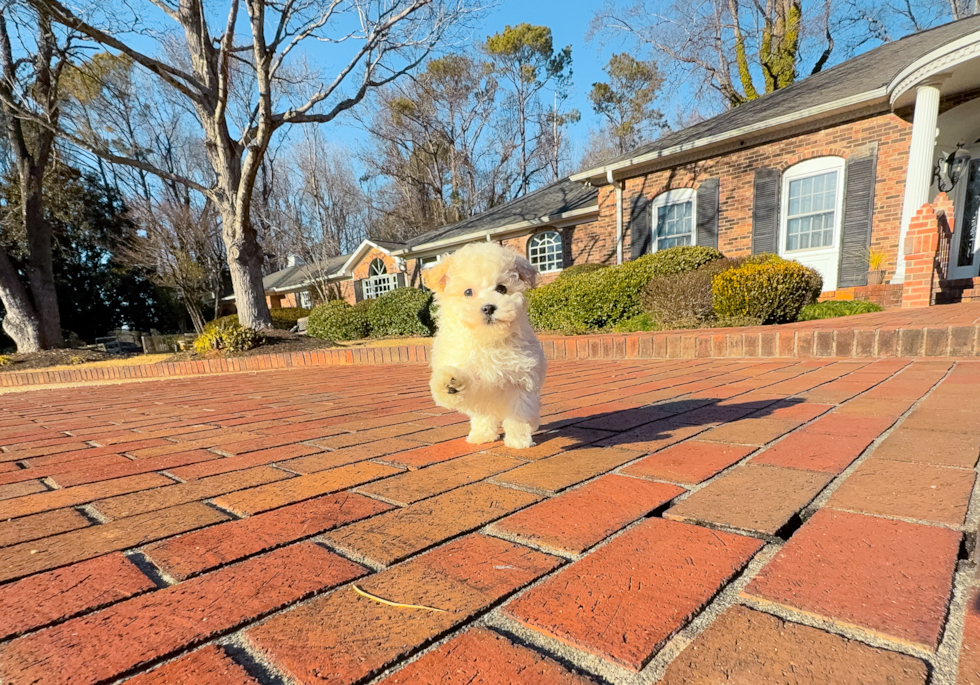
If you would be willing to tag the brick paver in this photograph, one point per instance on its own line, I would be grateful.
(639, 590)
(890, 577)
(745, 646)
(194, 530)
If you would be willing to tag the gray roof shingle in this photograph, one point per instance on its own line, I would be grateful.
(861, 74)
(295, 276)
(558, 198)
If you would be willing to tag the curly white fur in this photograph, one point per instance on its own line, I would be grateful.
(486, 361)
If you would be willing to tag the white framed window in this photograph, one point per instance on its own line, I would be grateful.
(810, 216)
(379, 281)
(545, 252)
(674, 219)
(812, 208)
(305, 299)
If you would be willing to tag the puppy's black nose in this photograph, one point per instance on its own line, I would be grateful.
(489, 309)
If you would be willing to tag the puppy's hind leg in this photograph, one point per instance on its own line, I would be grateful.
(483, 429)
(519, 427)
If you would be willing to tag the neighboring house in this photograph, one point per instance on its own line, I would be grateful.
(295, 286)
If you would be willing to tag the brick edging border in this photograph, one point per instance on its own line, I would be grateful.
(401, 354)
(862, 343)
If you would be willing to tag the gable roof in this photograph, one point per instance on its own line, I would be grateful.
(293, 277)
(860, 82)
(541, 206)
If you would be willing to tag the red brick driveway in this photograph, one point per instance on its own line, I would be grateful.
(696, 521)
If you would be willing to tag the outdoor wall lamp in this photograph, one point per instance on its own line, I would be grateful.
(950, 169)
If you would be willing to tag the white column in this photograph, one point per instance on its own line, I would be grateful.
(922, 148)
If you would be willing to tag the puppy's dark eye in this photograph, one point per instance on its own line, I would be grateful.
(468, 292)
(502, 289)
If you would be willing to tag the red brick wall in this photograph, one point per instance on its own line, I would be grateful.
(282, 300)
(736, 171)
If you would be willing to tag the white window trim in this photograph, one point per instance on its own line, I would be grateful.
(674, 197)
(561, 242)
(811, 167)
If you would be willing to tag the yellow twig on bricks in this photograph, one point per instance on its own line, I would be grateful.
(379, 600)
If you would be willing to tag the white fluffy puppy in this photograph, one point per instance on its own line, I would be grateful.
(486, 361)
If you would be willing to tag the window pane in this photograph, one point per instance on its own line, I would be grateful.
(544, 251)
(811, 212)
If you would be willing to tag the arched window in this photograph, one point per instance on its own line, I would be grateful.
(379, 281)
(674, 219)
(544, 251)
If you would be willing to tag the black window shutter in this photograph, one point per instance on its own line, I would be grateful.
(358, 290)
(855, 238)
(641, 227)
(765, 211)
(708, 213)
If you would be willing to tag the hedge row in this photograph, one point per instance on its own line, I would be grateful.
(403, 311)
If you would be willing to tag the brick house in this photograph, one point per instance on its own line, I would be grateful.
(821, 171)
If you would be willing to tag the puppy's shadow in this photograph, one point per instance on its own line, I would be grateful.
(655, 421)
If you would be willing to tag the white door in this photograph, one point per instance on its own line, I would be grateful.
(812, 206)
(964, 260)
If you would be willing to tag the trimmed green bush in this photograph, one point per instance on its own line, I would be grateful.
(600, 299)
(833, 309)
(640, 322)
(286, 317)
(337, 320)
(578, 270)
(283, 319)
(773, 291)
(227, 335)
(403, 311)
(678, 260)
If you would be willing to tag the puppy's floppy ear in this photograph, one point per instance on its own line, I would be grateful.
(525, 271)
(437, 275)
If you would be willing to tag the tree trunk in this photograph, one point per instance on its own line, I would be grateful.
(40, 272)
(21, 321)
(245, 265)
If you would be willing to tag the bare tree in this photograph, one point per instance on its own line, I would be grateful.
(179, 246)
(732, 51)
(242, 93)
(313, 207)
(31, 84)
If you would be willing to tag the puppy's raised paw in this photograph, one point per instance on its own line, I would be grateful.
(453, 385)
(446, 384)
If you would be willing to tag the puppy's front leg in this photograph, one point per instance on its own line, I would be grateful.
(525, 418)
(446, 385)
(483, 429)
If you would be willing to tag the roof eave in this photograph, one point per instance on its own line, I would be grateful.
(770, 129)
(489, 234)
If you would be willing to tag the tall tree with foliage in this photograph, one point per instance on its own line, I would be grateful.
(626, 100)
(90, 224)
(241, 74)
(30, 83)
(524, 58)
(437, 145)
